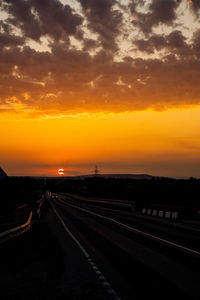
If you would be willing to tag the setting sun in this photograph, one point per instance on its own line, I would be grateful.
(61, 172)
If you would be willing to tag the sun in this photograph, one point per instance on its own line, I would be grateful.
(61, 171)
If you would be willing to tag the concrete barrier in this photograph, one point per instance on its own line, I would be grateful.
(160, 213)
(149, 210)
(154, 212)
(168, 214)
(144, 211)
(174, 215)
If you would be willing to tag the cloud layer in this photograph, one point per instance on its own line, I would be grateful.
(104, 56)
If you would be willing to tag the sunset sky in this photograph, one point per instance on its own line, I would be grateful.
(113, 83)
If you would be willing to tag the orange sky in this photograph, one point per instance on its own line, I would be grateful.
(108, 83)
(159, 143)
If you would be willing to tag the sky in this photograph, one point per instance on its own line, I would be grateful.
(113, 83)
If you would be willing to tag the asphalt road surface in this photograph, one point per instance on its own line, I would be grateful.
(133, 256)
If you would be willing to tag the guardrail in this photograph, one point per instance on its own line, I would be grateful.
(13, 232)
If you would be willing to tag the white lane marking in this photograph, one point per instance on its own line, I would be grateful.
(70, 234)
(134, 229)
(110, 291)
(105, 283)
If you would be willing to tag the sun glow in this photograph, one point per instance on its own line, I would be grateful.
(61, 172)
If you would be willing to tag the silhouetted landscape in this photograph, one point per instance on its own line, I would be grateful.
(99, 149)
(144, 190)
(46, 264)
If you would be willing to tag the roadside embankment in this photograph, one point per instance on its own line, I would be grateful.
(31, 264)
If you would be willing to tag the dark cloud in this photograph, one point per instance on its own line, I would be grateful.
(160, 12)
(196, 43)
(7, 38)
(195, 5)
(56, 18)
(103, 20)
(155, 42)
(48, 17)
(72, 80)
(176, 39)
(66, 79)
(22, 17)
(10, 40)
(163, 11)
(4, 27)
(90, 44)
(174, 42)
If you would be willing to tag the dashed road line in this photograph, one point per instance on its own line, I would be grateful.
(107, 286)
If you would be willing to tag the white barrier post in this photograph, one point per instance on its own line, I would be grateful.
(154, 213)
(168, 214)
(144, 211)
(149, 211)
(175, 215)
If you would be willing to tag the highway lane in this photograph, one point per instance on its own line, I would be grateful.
(78, 197)
(134, 229)
(174, 231)
(150, 267)
(125, 205)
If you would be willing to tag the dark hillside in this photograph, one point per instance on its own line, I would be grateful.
(17, 190)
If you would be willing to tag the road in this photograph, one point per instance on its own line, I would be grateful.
(140, 256)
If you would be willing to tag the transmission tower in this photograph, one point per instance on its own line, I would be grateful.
(96, 171)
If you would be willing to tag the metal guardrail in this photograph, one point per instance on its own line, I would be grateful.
(13, 232)
(8, 234)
